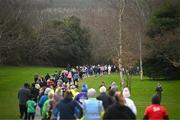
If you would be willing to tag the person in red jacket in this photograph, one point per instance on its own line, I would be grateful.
(155, 111)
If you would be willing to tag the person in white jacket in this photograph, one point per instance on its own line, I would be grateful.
(129, 102)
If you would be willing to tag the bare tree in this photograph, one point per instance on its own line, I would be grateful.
(122, 5)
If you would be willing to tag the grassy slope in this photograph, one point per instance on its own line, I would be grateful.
(142, 92)
(12, 78)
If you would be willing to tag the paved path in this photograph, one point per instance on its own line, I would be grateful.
(37, 116)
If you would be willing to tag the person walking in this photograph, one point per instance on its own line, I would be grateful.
(44, 98)
(92, 107)
(68, 108)
(31, 105)
(129, 102)
(155, 111)
(48, 107)
(106, 99)
(119, 110)
(82, 95)
(23, 96)
(159, 90)
(69, 76)
(34, 92)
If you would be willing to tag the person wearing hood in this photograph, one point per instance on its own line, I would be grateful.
(44, 98)
(82, 95)
(48, 106)
(105, 98)
(155, 111)
(114, 86)
(129, 102)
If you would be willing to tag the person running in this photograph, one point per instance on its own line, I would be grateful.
(23, 96)
(31, 105)
(119, 110)
(155, 111)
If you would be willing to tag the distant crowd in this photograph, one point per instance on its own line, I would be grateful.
(60, 97)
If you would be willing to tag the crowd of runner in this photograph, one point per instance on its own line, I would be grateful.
(60, 97)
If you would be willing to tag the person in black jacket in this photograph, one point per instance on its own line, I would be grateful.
(119, 110)
(159, 90)
(68, 108)
(34, 92)
(106, 99)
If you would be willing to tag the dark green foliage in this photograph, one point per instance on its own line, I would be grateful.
(65, 42)
(56, 43)
(157, 67)
(163, 19)
(15, 38)
(163, 60)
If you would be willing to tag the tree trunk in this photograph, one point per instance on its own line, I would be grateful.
(121, 11)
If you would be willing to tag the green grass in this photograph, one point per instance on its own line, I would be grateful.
(142, 92)
(12, 78)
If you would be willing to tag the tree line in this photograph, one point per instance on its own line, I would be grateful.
(34, 33)
(55, 42)
(163, 56)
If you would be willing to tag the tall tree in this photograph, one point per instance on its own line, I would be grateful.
(163, 29)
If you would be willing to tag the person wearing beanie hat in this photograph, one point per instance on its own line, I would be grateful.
(105, 98)
(155, 111)
(82, 95)
(129, 102)
(84, 88)
(92, 107)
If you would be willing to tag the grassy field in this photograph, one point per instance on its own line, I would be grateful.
(12, 78)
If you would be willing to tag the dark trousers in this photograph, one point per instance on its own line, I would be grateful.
(31, 116)
(69, 80)
(75, 81)
(23, 111)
